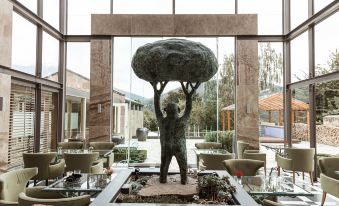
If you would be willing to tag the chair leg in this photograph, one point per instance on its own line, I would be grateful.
(265, 169)
(293, 177)
(34, 182)
(46, 182)
(278, 171)
(323, 198)
(303, 175)
(311, 178)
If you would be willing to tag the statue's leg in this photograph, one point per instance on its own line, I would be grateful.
(165, 162)
(182, 162)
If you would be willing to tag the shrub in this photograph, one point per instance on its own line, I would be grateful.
(136, 156)
(225, 138)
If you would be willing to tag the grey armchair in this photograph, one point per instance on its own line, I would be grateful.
(241, 147)
(86, 162)
(255, 155)
(329, 180)
(297, 159)
(34, 196)
(248, 167)
(14, 182)
(47, 169)
(208, 145)
(103, 147)
(71, 145)
(215, 161)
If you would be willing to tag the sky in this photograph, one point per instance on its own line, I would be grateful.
(78, 54)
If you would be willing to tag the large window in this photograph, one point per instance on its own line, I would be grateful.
(30, 4)
(23, 45)
(271, 99)
(77, 90)
(133, 99)
(299, 12)
(300, 117)
(320, 4)
(299, 58)
(269, 14)
(50, 57)
(205, 7)
(327, 117)
(51, 12)
(327, 45)
(142, 7)
(79, 14)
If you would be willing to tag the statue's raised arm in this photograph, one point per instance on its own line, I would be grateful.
(189, 90)
(157, 96)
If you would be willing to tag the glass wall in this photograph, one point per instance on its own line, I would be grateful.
(271, 101)
(50, 57)
(133, 105)
(327, 45)
(79, 17)
(300, 118)
(299, 12)
(23, 45)
(299, 58)
(77, 90)
(205, 7)
(269, 14)
(51, 13)
(142, 7)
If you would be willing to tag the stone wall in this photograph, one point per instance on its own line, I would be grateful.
(328, 135)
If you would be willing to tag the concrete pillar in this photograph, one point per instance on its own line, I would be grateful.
(99, 122)
(83, 117)
(6, 10)
(247, 92)
(5, 94)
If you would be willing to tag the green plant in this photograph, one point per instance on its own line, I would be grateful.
(225, 138)
(136, 156)
(217, 188)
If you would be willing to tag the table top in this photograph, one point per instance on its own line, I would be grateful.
(210, 151)
(271, 185)
(87, 183)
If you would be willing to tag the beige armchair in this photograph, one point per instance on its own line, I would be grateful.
(71, 145)
(297, 159)
(44, 162)
(255, 155)
(208, 145)
(34, 196)
(14, 182)
(329, 180)
(103, 147)
(214, 161)
(86, 162)
(241, 147)
(248, 167)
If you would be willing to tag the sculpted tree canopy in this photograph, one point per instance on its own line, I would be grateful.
(174, 60)
(181, 60)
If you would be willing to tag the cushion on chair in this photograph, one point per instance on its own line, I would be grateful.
(329, 185)
(328, 165)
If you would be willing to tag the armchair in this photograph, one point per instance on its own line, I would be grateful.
(255, 155)
(329, 180)
(215, 161)
(14, 182)
(44, 162)
(248, 167)
(34, 196)
(104, 147)
(297, 159)
(86, 162)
